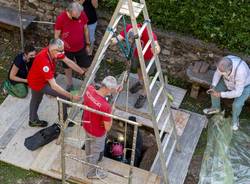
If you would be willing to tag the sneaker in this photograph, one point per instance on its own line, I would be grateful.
(38, 123)
(71, 124)
(210, 111)
(136, 87)
(96, 174)
(235, 127)
(140, 101)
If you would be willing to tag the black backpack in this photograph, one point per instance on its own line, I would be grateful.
(42, 137)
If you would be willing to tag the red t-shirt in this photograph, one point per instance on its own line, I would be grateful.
(144, 39)
(92, 122)
(42, 70)
(71, 31)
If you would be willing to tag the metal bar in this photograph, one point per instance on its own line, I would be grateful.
(150, 64)
(143, 28)
(161, 110)
(164, 125)
(146, 47)
(98, 112)
(96, 166)
(154, 80)
(63, 166)
(171, 152)
(158, 95)
(39, 21)
(21, 25)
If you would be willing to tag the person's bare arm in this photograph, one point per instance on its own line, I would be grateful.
(94, 3)
(73, 65)
(157, 47)
(107, 125)
(13, 73)
(114, 40)
(57, 34)
(59, 89)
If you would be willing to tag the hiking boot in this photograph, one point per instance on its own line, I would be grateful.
(96, 174)
(210, 111)
(136, 87)
(38, 123)
(71, 124)
(140, 101)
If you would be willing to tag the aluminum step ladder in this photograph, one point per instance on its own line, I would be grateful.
(133, 9)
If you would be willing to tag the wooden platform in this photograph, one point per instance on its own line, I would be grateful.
(14, 129)
(10, 17)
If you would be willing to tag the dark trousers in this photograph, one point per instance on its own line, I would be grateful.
(37, 97)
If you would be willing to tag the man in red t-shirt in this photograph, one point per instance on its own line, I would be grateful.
(41, 79)
(135, 64)
(96, 125)
(70, 26)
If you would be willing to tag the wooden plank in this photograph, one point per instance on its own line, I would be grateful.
(77, 171)
(180, 118)
(12, 117)
(10, 16)
(180, 160)
(177, 93)
(15, 153)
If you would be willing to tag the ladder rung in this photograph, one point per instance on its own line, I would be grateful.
(167, 140)
(142, 28)
(137, 7)
(165, 125)
(162, 109)
(151, 62)
(146, 47)
(171, 152)
(158, 95)
(154, 80)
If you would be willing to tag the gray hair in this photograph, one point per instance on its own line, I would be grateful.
(56, 42)
(75, 6)
(225, 65)
(110, 82)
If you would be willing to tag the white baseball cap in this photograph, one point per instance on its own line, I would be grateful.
(110, 82)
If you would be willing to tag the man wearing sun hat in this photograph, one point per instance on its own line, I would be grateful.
(95, 125)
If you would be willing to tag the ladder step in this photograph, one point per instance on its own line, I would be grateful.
(151, 62)
(137, 7)
(154, 80)
(171, 152)
(167, 140)
(165, 125)
(143, 28)
(146, 47)
(158, 95)
(162, 109)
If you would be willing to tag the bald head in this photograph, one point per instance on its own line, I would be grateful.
(225, 65)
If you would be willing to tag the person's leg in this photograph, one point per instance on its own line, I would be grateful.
(83, 59)
(36, 98)
(19, 90)
(215, 100)
(139, 84)
(92, 28)
(96, 147)
(238, 104)
(49, 91)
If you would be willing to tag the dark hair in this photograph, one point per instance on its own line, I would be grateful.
(29, 48)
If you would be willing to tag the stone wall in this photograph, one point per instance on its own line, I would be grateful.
(176, 54)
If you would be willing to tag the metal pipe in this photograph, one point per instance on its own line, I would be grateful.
(21, 25)
(98, 112)
(63, 166)
(39, 21)
(96, 166)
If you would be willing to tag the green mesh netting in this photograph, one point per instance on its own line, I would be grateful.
(227, 156)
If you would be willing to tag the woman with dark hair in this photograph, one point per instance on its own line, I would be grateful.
(16, 84)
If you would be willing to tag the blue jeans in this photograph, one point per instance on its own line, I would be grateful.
(92, 28)
(237, 104)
